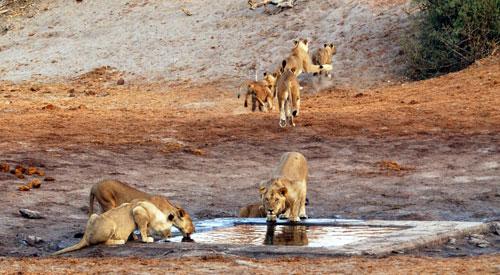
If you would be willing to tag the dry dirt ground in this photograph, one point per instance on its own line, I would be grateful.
(405, 150)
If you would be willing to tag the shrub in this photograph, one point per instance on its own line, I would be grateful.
(449, 35)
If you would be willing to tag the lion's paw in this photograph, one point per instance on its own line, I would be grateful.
(294, 219)
(148, 240)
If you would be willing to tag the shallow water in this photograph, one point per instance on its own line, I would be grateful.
(290, 235)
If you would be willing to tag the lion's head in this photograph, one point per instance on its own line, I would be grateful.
(331, 47)
(183, 221)
(273, 194)
(301, 44)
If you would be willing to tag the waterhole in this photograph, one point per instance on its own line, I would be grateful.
(324, 233)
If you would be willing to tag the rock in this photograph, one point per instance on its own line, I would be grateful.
(31, 171)
(495, 227)
(49, 107)
(24, 188)
(120, 81)
(35, 184)
(4, 167)
(49, 179)
(33, 240)
(20, 168)
(452, 241)
(30, 214)
(478, 240)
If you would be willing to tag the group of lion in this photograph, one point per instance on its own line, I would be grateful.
(125, 209)
(284, 85)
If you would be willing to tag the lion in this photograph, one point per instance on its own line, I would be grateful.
(300, 61)
(323, 56)
(260, 91)
(111, 193)
(115, 226)
(288, 93)
(284, 194)
(255, 210)
(282, 4)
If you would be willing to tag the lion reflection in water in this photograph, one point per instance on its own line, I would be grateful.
(286, 235)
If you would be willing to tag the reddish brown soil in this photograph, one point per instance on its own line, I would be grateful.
(204, 151)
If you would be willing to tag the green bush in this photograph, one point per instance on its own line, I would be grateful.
(448, 35)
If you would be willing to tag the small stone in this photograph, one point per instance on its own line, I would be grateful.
(20, 168)
(33, 240)
(30, 214)
(51, 26)
(31, 171)
(483, 245)
(49, 107)
(49, 179)
(31, 33)
(35, 184)
(413, 102)
(4, 167)
(24, 188)
(452, 241)
(120, 81)
(495, 227)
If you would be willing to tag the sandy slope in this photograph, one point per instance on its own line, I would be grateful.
(222, 40)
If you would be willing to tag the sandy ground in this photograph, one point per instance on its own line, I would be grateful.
(155, 40)
(201, 148)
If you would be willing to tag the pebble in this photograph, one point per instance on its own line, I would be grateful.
(30, 214)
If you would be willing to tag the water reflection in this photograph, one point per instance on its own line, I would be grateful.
(286, 235)
(289, 235)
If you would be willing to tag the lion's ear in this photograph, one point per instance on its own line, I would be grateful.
(325, 45)
(265, 73)
(295, 42)
(332, 46)
(305, 41)
(275, 74)
(170, 217)
(181, 213)
(283, 191)
(293, 70)
(262, 190)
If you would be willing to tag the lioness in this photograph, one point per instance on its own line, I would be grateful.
(112, 193)
(299, 59)
(323, 56)
(285, 193)
(115, 226)
(288, 93)
(255, 210)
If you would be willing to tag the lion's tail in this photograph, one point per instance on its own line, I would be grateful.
(91, 201)
(246, 97)
(83, 243)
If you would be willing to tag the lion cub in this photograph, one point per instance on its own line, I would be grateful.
(115, 226)
(260, 91)
(323, 56)
(255, 210)
(288, 93)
